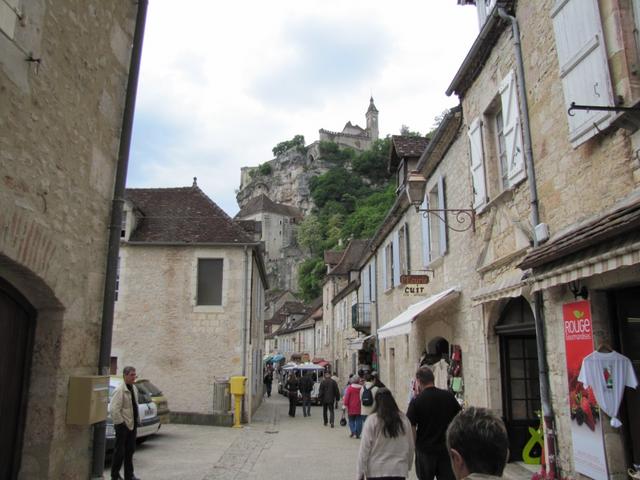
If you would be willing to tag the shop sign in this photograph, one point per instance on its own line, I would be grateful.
(586, 420)
(414, 285)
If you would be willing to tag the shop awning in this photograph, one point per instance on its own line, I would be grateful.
(401, 325)
(357, 343)
(621, 252)
(322, 363)
(509, 286)
(278, 357)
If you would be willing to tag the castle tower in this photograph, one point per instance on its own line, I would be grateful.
(372, 121)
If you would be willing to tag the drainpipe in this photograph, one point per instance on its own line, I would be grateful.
(104, 361)
(543, 368)
(245, 311)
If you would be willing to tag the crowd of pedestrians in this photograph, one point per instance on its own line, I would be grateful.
(435, 434)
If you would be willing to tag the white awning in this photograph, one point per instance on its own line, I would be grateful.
(509, 286)
(357, 343)
(623, 252)
(401, 325)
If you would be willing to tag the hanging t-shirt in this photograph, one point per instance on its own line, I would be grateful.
(440, 374)
(607, 374)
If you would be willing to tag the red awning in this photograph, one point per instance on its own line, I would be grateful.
(322, 363)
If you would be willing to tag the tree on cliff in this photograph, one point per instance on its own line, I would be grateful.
(296, 142)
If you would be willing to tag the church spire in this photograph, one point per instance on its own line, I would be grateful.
(372, 120)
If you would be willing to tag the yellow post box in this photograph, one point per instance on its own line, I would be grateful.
(237, 388)
(237, 384)
(88, 399)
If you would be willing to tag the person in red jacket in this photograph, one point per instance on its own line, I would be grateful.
(351, 402)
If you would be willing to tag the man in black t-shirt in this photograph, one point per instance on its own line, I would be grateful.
(430, 413)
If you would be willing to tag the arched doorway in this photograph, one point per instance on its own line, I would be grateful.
(519, 369)
(17, 324)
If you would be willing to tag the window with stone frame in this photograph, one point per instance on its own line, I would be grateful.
(496, 146)
(209, 281)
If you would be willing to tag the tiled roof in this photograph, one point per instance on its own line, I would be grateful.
(403, 147)
(332, 257)
(262, 203)
(350, 257)
(620, 221)
(182, 215)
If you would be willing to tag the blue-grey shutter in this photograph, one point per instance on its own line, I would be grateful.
(396, 258)
(442, 204)
(424, 223)
(385, 282)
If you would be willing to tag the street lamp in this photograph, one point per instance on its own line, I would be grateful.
(416, 187)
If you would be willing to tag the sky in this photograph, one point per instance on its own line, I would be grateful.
(223, 82)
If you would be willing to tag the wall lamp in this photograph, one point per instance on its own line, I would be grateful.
(416, 187)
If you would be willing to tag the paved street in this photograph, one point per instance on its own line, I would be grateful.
(274, 446)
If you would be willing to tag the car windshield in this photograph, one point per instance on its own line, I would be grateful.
(150, 388)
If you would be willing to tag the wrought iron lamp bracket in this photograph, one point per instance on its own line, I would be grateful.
(466, 217)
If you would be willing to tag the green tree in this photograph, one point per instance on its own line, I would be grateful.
(334, 154)
(310, 274)
(407, 132)
(369, 214)
(296, 142)
(336, 184)
(372, 163)
(310, 234)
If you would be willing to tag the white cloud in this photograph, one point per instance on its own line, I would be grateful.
(223, 82)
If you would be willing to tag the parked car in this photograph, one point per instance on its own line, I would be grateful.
(301, 369)
(158, 398)
(147, 412)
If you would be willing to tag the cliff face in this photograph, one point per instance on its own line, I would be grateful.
(288, 180)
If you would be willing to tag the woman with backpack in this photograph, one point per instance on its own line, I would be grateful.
(367, 396)
(386, 450)
(351, 401)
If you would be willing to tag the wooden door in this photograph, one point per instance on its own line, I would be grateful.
(17, 322)
(628, 313)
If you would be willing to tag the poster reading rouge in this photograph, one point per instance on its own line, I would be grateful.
(586, 424)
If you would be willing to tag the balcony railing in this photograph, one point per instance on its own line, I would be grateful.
(361, 317)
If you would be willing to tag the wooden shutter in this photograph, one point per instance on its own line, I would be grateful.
(512, 130)
(385, 282)
(396, 258)
(365, 285)
(583, 65)
(372, 277)
(442, 228)
(477, 163)
(426, 241)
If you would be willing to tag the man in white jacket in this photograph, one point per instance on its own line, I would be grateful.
(124, 412)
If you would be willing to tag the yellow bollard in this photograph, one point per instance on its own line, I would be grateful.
(237, 388)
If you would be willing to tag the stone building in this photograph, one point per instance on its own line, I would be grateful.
(277, 224)
(190, 299)
(64, 68)
(354, 136)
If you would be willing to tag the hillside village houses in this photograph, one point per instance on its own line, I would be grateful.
(527, 232)
(190, 300)
(68, 77)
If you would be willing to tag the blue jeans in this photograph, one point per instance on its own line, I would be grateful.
(355, 424)
(306, 404)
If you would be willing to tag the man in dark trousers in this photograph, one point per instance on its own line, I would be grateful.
(329, 394)
(306, 387)
(124, 412)
(430, 413)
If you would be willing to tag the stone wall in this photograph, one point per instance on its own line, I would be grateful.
(180, 346)
(59, 137)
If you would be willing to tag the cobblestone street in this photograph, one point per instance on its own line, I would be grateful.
(274, 446)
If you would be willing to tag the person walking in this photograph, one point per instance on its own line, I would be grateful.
(351, 402)
(478, 444)
(292, 385)
(386, 449)
(430, 413)
(328, 394)
(367, 397)
(268, 382)
(306, 387)
(125, 416)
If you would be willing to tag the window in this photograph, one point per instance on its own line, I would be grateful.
(584, 70)
(209, 281)
(434, 225)
(495, 144)
(123, 227)
(389, 272)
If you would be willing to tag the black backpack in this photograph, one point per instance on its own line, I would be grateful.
(367, 396)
